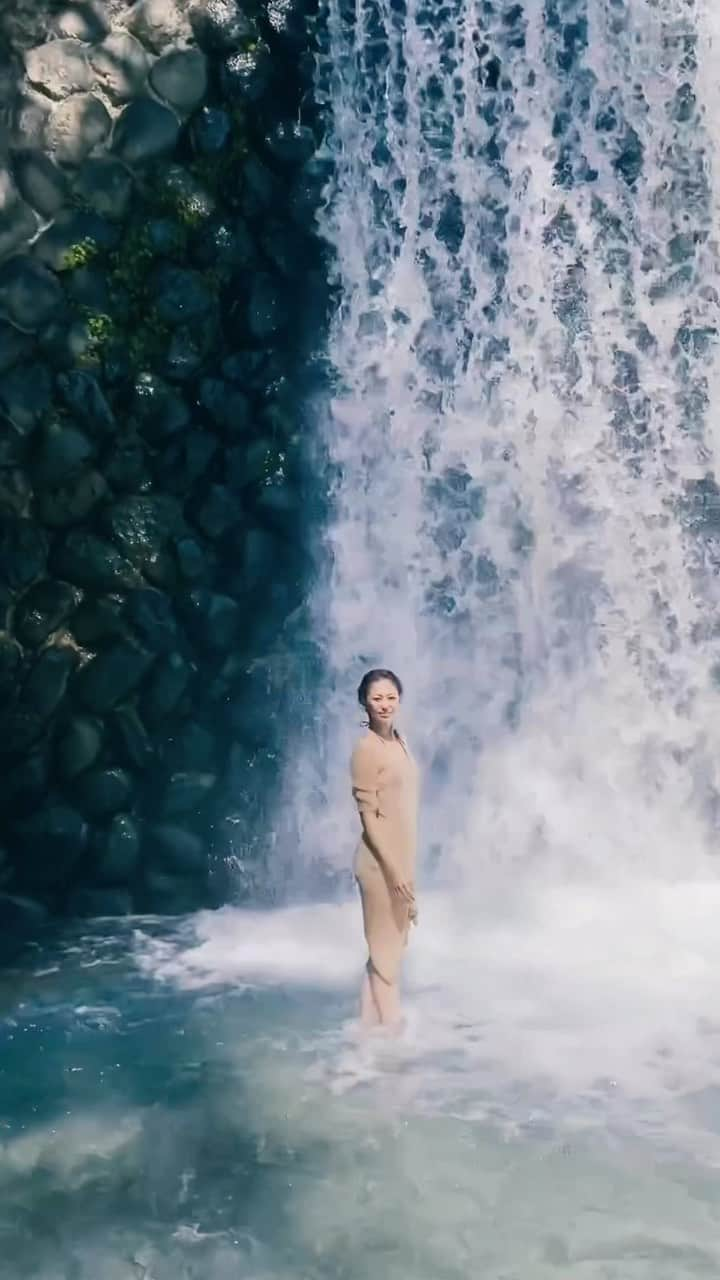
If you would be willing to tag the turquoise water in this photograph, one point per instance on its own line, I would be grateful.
(195, 1101)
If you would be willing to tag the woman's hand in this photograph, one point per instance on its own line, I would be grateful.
(405, 890)
(413, 912)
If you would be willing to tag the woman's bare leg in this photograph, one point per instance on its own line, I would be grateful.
(369, 1012)
(386, 996)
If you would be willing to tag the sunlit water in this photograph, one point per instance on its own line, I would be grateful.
(197, 1103)
(523, 217)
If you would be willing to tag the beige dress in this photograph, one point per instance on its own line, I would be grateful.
(385, 787)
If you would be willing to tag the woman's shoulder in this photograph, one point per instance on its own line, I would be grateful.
(365, 745)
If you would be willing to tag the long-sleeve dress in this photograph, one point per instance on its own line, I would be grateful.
(385, 787)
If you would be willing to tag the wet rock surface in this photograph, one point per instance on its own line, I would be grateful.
(152, 501)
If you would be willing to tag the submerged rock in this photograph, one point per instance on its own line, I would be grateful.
(103, 792)
(43, 609)
(112, 675)
(29, 293)
(144, 131)
(78, 746)
(49, 843)
(77, 126)
(121, 64)
(59, 68)
(118, 851)
(180, 78)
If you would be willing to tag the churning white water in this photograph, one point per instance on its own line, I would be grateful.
(523, 221)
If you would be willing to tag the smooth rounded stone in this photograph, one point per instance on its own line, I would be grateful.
(144, 131)
(150, 614)
(186, 792)
(193, 749)
(176, 849)
(30, 118)
(193, 563)
(23, 552)
(12, 453)
(88, 561)
(97, 621)
(166, 237)
(132, 738)
(244, 367)
(245, 76)
(166, 687)
(181, 295)
(47, 682)
(262, 552)
(266, 313)
(286, 249)
(159, 570)
(88, 903)
(29, 294)
(100, 793)
(290, 144)
(121, 64)
(279, 503)
(220, 25)
(142, 525)
(186, 196)
(58, 68)
(72, 501)
(160, 409)
(126, 466)
(25, 784)
(44, 609)
(15, 346)
(89, 287)
(61, 452)
(82, 394)
(262, 192)
(10, 664)
(22, 730)
(186, 459)
(227, 406)
(15, 490)
(216, 512)
(18, 221)
(159, 23)
(74, 239)
(78, 746)
(210, 130)
(108, 678)
(76, 127)
(83, 20)
(40, 182)
(25, 395)
(180, 78)
(70, 342)
(224, 245)
(118, 851)
(105, 185)
(187, 352)
(212, 618)
(168, 893)
(20, 919)
(51, 844)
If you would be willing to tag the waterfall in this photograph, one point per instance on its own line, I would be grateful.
(525, 521)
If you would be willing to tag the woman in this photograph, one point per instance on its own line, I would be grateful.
(385, 787)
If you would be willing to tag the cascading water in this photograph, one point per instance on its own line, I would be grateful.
(525, 523)
(522, 221)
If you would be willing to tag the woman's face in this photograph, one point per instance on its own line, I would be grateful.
(382, 703)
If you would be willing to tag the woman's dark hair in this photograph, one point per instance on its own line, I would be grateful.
(371, 677)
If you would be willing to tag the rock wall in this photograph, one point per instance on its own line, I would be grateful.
(161, 292)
